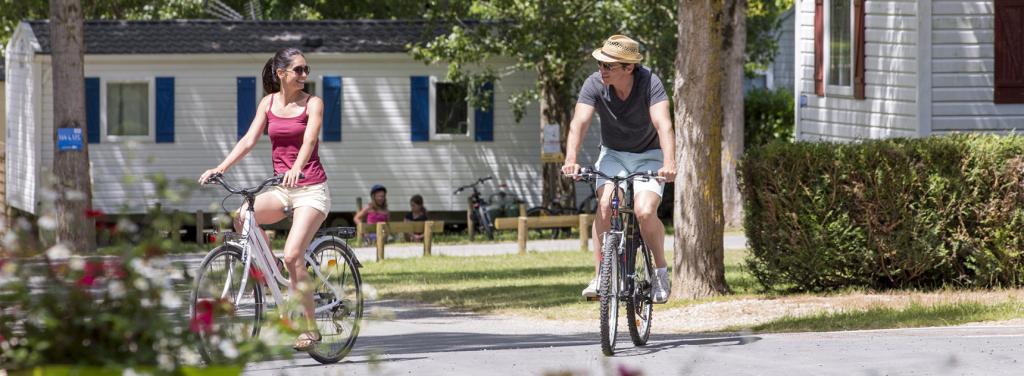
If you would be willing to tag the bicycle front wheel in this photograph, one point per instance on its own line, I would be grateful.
(217, 309)
(639, 310)
(609, 292)
(338, 297)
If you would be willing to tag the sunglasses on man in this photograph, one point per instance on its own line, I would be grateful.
(609, 66)
(300, 69)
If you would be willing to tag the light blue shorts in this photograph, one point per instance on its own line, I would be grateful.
(621, 163)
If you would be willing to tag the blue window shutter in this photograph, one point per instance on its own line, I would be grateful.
(245, 103)
(483, 121)
(332, 108)
(165, 109)
(420, 108)
(92, 109)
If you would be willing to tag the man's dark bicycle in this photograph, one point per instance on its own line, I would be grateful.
(626, 273)
(479, 215)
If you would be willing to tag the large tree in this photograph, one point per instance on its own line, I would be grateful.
(705, 38)
(70, 167)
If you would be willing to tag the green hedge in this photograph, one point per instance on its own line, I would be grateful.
(768, 116)
(921, 213)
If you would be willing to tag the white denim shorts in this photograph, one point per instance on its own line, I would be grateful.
(315, 196)
(621, 163)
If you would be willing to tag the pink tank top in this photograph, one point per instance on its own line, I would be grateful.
(376, 217)
(285, 139)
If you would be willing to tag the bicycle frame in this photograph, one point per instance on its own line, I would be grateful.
(627, 248)
(255, 247)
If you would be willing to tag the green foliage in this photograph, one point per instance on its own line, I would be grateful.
(940, 211)
(768, 116)
(762, 25)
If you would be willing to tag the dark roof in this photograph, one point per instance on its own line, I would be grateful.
(215, 36)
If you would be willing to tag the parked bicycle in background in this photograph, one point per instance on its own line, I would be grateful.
(479, 213)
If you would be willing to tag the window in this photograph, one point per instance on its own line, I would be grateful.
(839, 51)
(839, 48)
(1009, 36)
(450, 110)
(128, 109)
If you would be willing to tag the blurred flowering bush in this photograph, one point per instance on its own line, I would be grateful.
(125, 312)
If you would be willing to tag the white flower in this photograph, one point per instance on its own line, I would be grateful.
(127, 226)
(165, 362)
(47, 222)
(75, 195)
(77, 263)
(10, 240)
(370, 291)
(189, 356)
(170, 300)
(146, 303)
(141, 284)
(58, 252)
(48, 195)
(228, 349)
(116, 289)
(37, 280)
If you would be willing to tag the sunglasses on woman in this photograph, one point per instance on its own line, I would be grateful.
(300, 69)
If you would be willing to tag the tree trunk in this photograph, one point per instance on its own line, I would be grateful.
(734, 43)
(554, 110)
(698, 267)
(71, 167)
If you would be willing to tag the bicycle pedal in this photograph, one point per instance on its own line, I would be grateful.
(593, 298)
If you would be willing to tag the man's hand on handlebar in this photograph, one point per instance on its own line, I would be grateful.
(571, 170)
(667, 174)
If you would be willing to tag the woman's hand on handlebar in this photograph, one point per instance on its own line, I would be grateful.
(209, 174)
(291, 178)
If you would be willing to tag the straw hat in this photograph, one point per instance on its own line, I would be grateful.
(619, 49)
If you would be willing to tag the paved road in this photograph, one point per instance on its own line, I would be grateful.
(421, 340)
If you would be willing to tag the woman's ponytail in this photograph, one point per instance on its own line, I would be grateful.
(270, 83)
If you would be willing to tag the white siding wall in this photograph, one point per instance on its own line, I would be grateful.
(22, 114)
(375, 147)
(889, 109)
(963, 70)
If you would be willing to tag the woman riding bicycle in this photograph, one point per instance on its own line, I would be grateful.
(636, 135)
(293, 119)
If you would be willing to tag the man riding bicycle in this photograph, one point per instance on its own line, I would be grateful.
(636, 135)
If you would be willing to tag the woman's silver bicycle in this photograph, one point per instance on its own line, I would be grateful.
(228, 293)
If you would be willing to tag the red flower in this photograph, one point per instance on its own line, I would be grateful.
(257, 274)
(202, 321)
(115, 269)
(623, 371)
(92, 270)
(94, 213)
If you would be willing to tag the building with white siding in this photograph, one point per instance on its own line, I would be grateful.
(897, 68)
(172, 98)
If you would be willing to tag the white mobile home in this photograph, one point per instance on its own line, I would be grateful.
(173, 97)
(887, 68)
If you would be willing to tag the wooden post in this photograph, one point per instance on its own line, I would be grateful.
(469, 217)
(428, 231)
(584, 232)
(522, 209)
(175, 226)
(359, 203)
(200, 235)
(360, 232)
(382, 233)
(522, 235)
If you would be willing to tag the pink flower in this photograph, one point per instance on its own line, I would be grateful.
(202, 321)
(257, 274)
(623, 371)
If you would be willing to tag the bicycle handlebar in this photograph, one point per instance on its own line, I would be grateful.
(218, 178)
(587, 173)
(471, 185)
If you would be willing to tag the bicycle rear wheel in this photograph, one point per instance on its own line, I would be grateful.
(609, 292)
(213, 309)
(639, 310)
(339, 286)
(483, 223)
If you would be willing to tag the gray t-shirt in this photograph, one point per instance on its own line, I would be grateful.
(626, 125)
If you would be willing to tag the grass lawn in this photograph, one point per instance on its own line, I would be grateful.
(547, 286)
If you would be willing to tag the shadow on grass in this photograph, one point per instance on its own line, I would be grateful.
(448, 276)
(912, 316)
(485, 299)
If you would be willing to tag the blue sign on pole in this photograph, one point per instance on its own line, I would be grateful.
(69, 139)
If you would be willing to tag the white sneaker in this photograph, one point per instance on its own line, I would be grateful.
(661, 287)
(591, 290)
